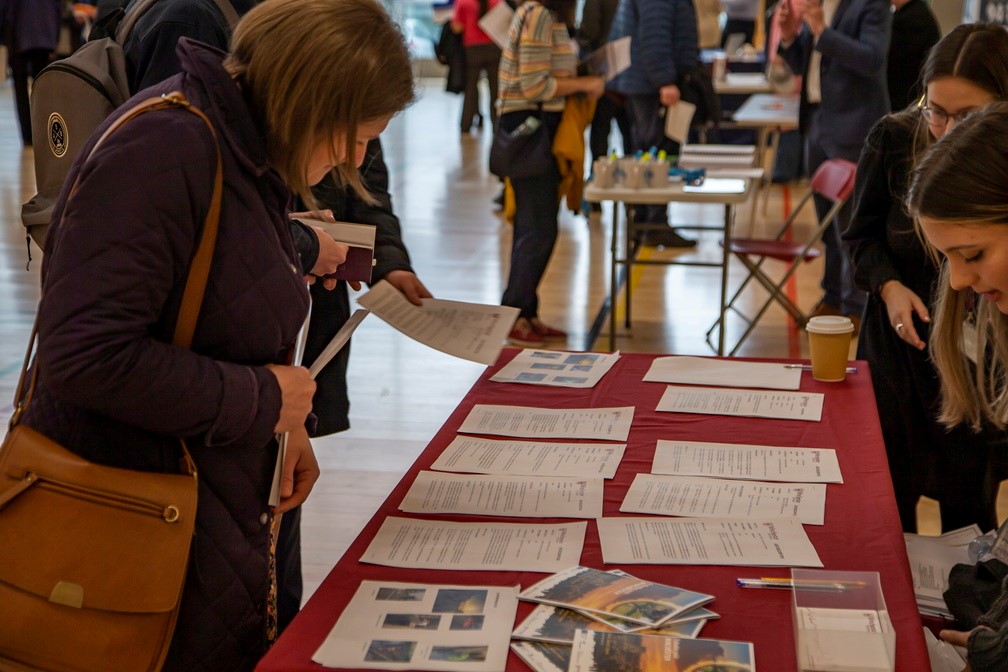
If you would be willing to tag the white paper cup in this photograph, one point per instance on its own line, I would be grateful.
(829, 344)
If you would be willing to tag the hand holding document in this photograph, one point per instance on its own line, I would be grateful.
(495, 495)
(761, 463)
(697, 497)
(470, 454)
(744, 403)
(604, 424)
(361, 240)
(678, 118)
(706, 541)
(414, 626)
(491, 547)
(722, 373)
(556, 368)
(471, 331)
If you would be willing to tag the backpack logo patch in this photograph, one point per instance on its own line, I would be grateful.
(58, 138)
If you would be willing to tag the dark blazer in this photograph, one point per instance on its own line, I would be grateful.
(853, 76)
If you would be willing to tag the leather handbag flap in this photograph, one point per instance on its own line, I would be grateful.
(62, 517)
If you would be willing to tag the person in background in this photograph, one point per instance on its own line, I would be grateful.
(914, 31)
(596, 20)
(663, 49)
(740, 18)
(708, 18)
(959, 197)
(537, 73)
(30, 32)
(841, 50)
(288, 108)
(481, 56)
(966, 70)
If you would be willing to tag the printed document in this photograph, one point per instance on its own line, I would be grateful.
(931, 562)
(475, 455)
(390, 625)
(472, 331)
(439, 544)
(678, 118)
(722, 373)
(495, 495)
(706, 541)
(744, 403)
(497, 22)
(603, 424)
(556, 368)
(338, 341)
(609, 60)
(698, 497)
(761, 463)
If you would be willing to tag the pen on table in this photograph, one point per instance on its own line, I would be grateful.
(808, 367)
(807, 584)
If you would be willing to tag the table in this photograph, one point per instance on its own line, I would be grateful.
(736, 83)
(862, 531)
(769, 114)
(661, 196)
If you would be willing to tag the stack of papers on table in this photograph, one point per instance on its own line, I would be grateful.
(931, 561)
(615, 595)
(556, 368)
(711, 156)
(723, 373)
(398, 626)
(623, 652)
(606, 600)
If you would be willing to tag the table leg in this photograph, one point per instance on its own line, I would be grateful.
(762, 141)
(630, 253)
(613, 238)
(725, 258)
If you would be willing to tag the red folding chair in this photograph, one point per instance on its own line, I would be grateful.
(833, 180)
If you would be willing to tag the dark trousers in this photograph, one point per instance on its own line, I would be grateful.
(745, 26)
(535, 226)
(290, 585)
(24, 66)
(838, 286)
(647, 130)
(607, 110)
(479, 58)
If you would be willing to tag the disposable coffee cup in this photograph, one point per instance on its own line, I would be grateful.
(829, 343)
(602, 173)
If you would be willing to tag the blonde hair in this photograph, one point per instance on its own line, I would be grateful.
(963, 180)
(313, 69)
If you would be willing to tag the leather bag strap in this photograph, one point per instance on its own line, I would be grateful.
(199, 269)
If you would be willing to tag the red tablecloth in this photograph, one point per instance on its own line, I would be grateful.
(862, 530)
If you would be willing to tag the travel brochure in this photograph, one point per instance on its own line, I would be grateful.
(558, 625)
(595, 651)
(543, 656)
(622, 596)
(397, 626)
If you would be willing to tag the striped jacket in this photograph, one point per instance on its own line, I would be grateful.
(538, 50)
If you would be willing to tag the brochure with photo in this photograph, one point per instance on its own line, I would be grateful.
(621, 652)
(543, 656)
(699, 614)
(397, 626)
(623, 596)
(558, 625)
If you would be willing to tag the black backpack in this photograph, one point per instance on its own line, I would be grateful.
(70, 98)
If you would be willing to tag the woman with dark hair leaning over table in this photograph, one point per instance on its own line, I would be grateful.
(965, 70)
(306, 85)
(959, 198)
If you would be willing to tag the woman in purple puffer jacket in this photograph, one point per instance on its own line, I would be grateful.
(307, 84)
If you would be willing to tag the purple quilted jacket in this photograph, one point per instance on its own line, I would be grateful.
(113, 389)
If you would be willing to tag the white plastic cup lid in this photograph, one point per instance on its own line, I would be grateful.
(830, 324)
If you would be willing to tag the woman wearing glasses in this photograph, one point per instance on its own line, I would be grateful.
(964, 71)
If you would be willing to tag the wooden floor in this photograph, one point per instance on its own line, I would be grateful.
(402, 392)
